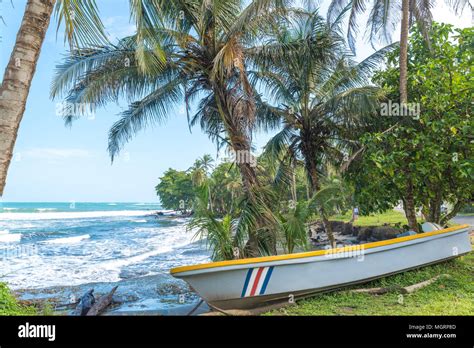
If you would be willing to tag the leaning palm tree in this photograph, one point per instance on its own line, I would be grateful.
(191, 50)
(320, 99)
(82, 25)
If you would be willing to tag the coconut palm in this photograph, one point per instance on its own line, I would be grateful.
(383, 18)
(82, 25)
(200, 172)
(320, 98)
(204, 48)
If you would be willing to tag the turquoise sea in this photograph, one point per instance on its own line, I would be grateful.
(59, 250)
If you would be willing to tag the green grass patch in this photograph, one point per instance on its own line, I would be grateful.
(391, 217)
(453, 295)
(10, 306)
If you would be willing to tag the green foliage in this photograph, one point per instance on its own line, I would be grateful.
(226, 188)
(435, 148)
(391, 217)
(334, 197)
(175, 190)
(220, 234)
(10, 306)
(293, 227)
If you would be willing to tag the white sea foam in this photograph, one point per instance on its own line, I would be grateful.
(45, 209)
(67, 240)
(119, 263)
(4, 232)
(10, 209)
(137, 221)
(10, 238)
(71, 215)
(98, 259)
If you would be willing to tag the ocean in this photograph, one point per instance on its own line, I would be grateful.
(58, 251)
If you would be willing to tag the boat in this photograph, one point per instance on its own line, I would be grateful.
(254, 282)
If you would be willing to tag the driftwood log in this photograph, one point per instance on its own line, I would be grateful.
(377, 291)
(414, 287)
(102, 303)
(404, 290)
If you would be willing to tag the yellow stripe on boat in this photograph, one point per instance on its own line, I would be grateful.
(357, 247)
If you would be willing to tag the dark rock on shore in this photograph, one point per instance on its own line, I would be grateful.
(346, 234)
(376, 233)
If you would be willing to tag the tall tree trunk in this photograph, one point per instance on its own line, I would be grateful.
(404, 52)
(409, 205)
(241, 145)
(251, 187)
(293, 184)
(210, 197)
(312, 170)
(435, 207)
(18, 76)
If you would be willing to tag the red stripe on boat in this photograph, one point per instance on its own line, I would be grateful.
(255, 283)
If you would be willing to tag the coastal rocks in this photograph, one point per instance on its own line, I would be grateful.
(344, 228)
(376, 233)
(148, 294)
(347, 234)
(343, 234)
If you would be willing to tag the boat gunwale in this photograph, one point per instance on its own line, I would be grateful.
(302, 255)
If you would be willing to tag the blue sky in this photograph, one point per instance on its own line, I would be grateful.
(55, 163)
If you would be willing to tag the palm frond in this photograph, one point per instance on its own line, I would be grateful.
(81, 19)
(152, 109)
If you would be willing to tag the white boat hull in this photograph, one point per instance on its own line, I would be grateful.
(252, 282)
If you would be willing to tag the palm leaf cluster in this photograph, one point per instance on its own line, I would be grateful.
(238, 67)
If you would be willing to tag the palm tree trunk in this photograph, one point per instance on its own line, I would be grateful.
(250, 186)
(241, 145)
(409, 201)
(18, 76)
(293, 184)
(404, 52)
(210, 197)
(312, 170)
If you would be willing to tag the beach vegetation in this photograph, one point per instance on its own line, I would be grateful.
(240, 68)
(435, 147)
(9, 305)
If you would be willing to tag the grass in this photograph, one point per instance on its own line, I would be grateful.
(391, 217)
(10, 306)
(452, 295)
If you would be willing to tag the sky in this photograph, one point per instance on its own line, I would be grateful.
(54, 163)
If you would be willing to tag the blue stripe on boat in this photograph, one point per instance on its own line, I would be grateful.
(246, 284)
(267, 279)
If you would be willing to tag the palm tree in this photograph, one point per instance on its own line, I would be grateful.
(320, 95)
(383, 18)
(200, 172)
(200, 55)
(82, 25)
